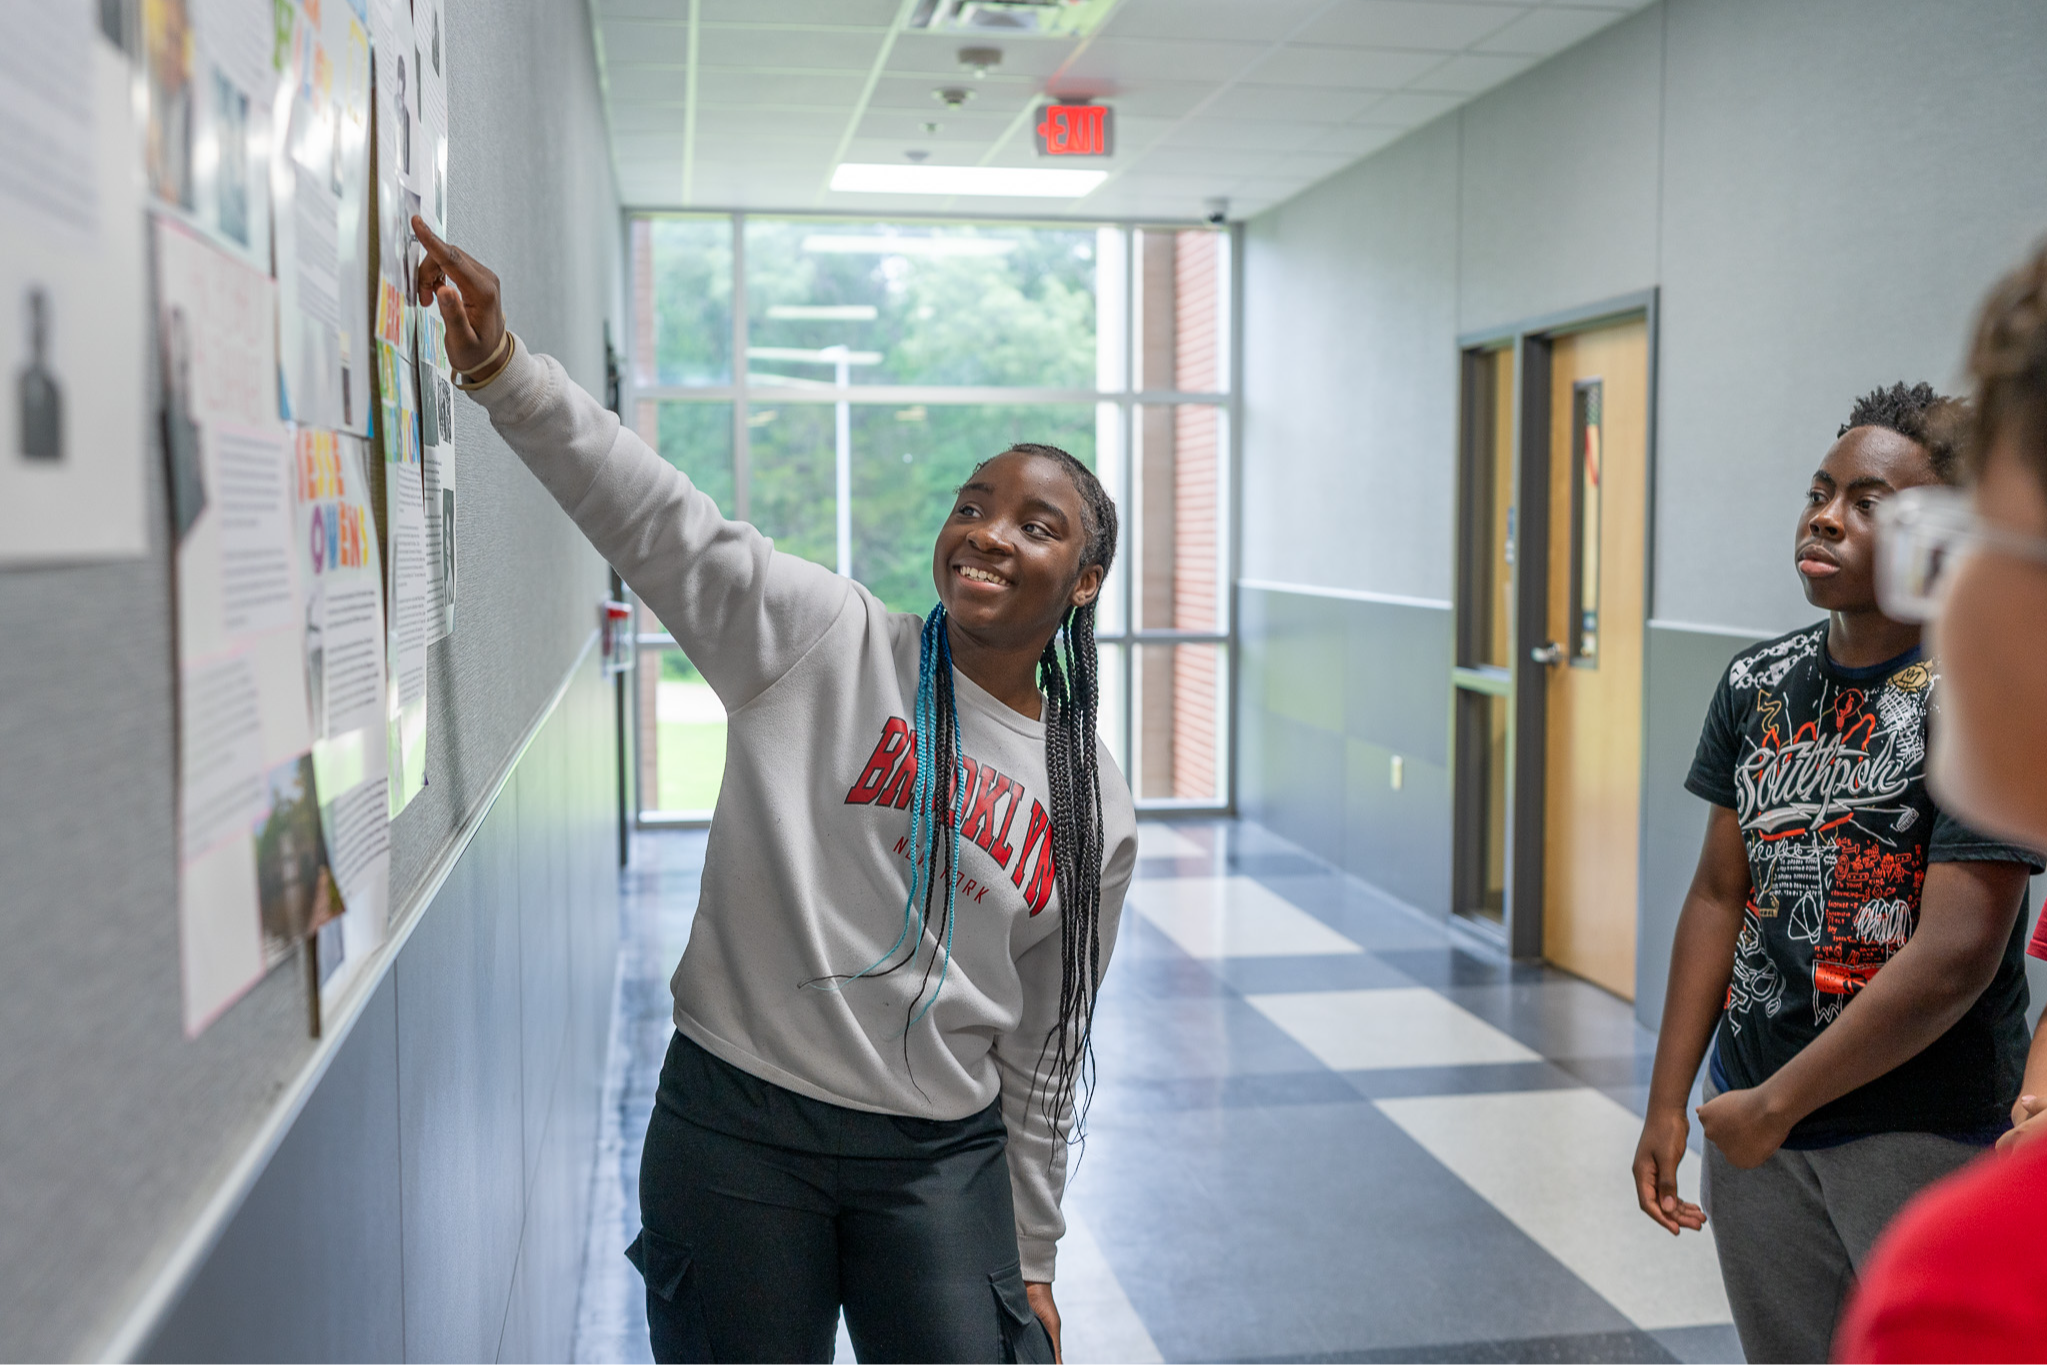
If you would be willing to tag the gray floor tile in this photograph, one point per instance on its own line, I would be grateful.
(1404, 1082)
(1716, 1345)
(1588, 1347)
(1252, 1232)
(1173, 1038)
(1366, 917)
(1320, 1086)
(1444, 965)
(1558, 1017)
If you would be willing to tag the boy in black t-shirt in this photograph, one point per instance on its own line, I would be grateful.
(1858, 951)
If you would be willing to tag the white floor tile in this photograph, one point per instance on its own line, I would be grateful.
(1212, 917)
(1555, 1162)
(1096, 1322)
(1155, 840)
(1373, 1030)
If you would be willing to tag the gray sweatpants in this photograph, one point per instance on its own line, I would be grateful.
(1793, 1232)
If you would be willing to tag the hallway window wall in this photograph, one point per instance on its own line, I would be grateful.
(833, 381)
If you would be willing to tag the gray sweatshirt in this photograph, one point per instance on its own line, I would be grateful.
(808, 863)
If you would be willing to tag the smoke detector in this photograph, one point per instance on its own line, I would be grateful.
(952, 96)
(980, 60)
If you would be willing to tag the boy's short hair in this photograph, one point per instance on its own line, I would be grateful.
(1939, 424)
(2008, 362)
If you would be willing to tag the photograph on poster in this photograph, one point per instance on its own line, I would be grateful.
(210, 79)
(295, 889)
(71, 267)
(320, 192)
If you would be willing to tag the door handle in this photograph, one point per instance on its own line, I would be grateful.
(1550, 654)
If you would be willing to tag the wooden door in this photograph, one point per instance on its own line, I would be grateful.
(1599, 483)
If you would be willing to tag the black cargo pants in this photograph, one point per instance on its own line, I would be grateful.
(764, 1213)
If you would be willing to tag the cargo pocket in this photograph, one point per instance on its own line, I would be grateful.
(1024, 1338)
(675, 1306)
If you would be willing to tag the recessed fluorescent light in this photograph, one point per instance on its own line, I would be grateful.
(1010, 181)
(890, 245)
(830, 355)
(823, 312)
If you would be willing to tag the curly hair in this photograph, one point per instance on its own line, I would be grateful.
(2008, 362)
(1939, 424)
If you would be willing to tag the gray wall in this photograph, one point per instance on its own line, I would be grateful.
(115, 1129)
(1821, 192)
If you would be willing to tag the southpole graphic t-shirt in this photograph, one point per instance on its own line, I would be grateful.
(1825, 768)
(808, 863)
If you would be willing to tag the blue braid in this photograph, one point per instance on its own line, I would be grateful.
(934, 627)
(933, 653)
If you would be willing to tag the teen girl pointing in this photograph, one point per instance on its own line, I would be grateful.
(912, 886)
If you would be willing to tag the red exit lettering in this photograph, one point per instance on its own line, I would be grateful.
(1073, 130)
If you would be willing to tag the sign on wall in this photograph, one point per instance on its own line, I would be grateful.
(1075, 130)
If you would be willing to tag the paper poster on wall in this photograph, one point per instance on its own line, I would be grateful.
(320, 191)
(72, 340)
(210, 71)
(342, 584)
(406, 576)
(254, 876)
(436, 389)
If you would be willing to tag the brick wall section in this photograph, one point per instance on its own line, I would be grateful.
(1195, 542)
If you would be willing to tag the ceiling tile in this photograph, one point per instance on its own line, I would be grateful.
(647, 84)
(653, 146)
(643, 42)
(1408, 109)
(1547, 30)
(938, 55)
(1206, 161)
(730, 86)
(1437, 25)
(646, 116)
(1469, 73)
(787, 49)
(1158, 99)
(903, 129)
(1305, 104)
(1244, 133)
(808, 124)
(1233, 20)
(1347, 67)
(1353, 142)
(868, 13)
(1131, 60)
(914, 92)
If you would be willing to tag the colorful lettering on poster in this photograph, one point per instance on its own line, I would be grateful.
(319, 465)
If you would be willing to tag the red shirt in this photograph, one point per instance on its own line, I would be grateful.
(1962, 1273)
(2038, 947)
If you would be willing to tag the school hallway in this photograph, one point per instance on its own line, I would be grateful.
(1325, 1128)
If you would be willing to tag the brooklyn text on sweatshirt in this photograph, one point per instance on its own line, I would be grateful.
(807, 869)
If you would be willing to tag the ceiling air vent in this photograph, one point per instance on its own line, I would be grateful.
(1017, 18)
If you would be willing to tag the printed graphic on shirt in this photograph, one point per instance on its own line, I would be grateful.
(993, 801)
(1828, 786)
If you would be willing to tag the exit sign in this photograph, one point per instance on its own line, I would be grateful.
(1074, 130)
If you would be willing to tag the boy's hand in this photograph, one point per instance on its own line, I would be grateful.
(1744, 1126)
(2029, 1121)
(1656, 1158)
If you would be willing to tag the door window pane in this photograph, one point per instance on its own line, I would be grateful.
(920, 303)
(1181, 694)
(682, 736)
(1177, 540)
(1587, 430)
(682, 300)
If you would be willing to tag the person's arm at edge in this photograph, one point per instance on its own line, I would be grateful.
(2029, 1111)
(1701, 964)
(1966, 910)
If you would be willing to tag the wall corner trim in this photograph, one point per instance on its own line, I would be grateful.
(148, 1310)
